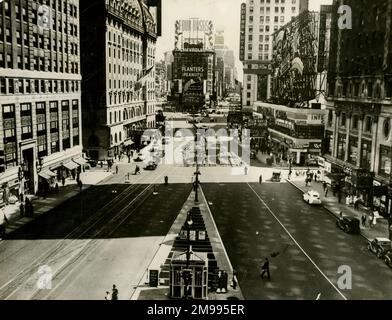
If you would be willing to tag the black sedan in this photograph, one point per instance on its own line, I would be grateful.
(349, 225)
(150, 166)
(388, 258)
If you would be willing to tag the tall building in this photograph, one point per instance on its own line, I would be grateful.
(225, 79)
(299, 62)
(358, 125)
(259, 19)
(194, 64)
(118, 48)
(40, 92)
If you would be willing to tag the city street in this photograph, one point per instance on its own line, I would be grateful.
(256, 221)
(106, 235)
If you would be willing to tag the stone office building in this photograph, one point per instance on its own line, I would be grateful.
(358, 123)
(118, 41)
(40, 116)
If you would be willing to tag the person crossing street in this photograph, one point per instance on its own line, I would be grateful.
(265, 269)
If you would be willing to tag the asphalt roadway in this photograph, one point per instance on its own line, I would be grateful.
(302, 242)
(108, 234)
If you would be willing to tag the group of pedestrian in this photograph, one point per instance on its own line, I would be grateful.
(113, 295)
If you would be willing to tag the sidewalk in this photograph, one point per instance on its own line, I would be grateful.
(43, 205)
(333, 206)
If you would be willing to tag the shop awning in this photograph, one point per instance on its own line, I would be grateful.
(81, 161)
(70, 165)
(46, 174)
(128, 142)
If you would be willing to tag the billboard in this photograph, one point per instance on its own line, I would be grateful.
(294, 60)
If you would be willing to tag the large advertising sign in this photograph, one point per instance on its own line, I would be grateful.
(295, 51)
(193, 65)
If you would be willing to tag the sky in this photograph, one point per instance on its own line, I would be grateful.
(223, 13)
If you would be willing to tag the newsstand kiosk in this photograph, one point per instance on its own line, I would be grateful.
(188, 279)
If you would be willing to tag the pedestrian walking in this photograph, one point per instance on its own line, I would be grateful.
(166, 180)
(107, 296)
(363, 220)
(246, 170)
(114, 293)
(341, 215)
(324, 186)
(116, 169)
(339, 196)
(80, 184)
(63, 180)
(265, 269)
(22, 208)
(306, 181)
(260, 179)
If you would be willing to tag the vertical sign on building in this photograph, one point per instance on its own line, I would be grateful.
(242, 32)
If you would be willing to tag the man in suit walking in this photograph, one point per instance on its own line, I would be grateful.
(265, 269)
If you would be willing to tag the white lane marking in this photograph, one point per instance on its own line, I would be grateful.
(295, 241)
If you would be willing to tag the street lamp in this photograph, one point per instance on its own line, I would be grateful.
(187, 273)
(197, 173)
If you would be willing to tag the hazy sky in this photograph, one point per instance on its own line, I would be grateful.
(223, 13)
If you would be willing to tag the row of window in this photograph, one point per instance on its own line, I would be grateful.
(9, 128)
(39, 64)
(368, 89)
(26, 86)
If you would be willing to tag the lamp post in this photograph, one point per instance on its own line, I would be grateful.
(197, 173)
(186, 274)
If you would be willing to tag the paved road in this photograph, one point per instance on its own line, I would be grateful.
(106, 235)
(256, 221)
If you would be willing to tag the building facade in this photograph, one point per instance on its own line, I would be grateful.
(299, 61)
(259, 19)
(40, 92)
(225, 66)
(193, 64)
(117, 48)
(358, 136)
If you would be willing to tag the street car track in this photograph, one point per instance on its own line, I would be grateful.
(61, 248)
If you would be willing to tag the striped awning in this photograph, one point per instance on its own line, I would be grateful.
(46, 174)
(70, 165)
(80, 161)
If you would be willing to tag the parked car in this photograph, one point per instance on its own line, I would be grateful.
(138, 159)
(388, 258)
(253, 154)
(349, 225)
(312, 197)
(380, 246)
(150, 166)
(275, 177)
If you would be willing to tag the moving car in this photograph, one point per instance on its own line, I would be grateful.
(388, 258)
(380, 246)
(312, 197)
(150, 166)
(349, 225)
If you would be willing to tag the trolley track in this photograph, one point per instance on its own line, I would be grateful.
(71, 247)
